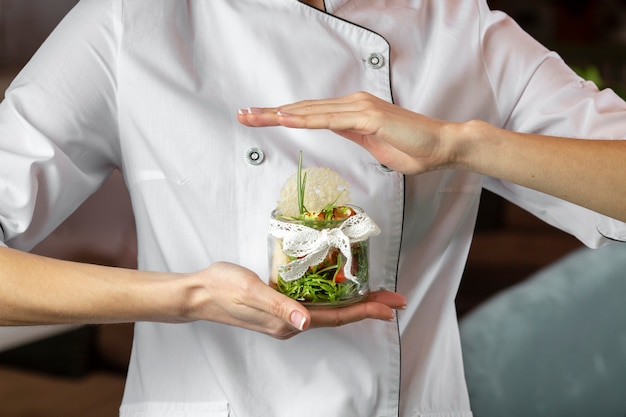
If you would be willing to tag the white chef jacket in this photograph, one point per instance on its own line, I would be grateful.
(152, 87)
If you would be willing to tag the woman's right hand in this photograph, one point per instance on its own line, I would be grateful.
(234, 295)
(40, 290)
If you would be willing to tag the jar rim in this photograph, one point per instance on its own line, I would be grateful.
(315, 223)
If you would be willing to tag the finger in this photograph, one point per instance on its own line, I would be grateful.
(341, 316)
(351, 120)
(389, 298)
(340, 121)
(269, 301)
(379, 305)
(258, 117)
(354, 101)
(311, 107)
(317, 112)
(335, 121)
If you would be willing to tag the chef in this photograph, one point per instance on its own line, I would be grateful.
(154, 87)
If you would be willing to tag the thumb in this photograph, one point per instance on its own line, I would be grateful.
(286, 308)
(299, 318)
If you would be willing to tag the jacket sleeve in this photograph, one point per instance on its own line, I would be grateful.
(58, 125)
(537, 92)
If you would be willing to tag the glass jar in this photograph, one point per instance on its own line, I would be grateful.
(321, 263)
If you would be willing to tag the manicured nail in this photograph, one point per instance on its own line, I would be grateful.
(298, 320)
(243, 112)
(255, 110)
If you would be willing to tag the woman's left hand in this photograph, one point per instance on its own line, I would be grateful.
(402, 140)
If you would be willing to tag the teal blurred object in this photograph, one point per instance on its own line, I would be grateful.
(554, 345)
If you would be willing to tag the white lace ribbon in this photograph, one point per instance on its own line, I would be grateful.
(311, 246)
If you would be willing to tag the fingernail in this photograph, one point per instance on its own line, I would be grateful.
(297, 320)
(255, 110)
(243, 112)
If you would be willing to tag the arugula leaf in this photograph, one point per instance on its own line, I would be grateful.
(319, 285)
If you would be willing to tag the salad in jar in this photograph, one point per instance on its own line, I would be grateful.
(319, 242)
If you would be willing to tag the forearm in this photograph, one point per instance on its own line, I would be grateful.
(589, 173)
(40, 290)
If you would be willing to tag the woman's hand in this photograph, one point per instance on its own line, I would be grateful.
(39, 290)
(234, 295)
(402, 140)
(584, 172)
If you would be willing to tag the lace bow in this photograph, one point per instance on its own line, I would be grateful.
(311, 246)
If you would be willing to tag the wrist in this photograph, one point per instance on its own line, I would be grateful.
(178, 298)
(160, 297)
(468, 142)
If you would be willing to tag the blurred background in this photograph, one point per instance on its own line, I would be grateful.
(49, 371)
(54, 371)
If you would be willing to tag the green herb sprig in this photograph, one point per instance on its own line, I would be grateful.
(301, 187)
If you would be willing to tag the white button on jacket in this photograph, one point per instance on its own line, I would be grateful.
(153, 87)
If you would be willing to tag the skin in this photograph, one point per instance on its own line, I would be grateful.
(40, 290)
(319, 4)
(586, 172)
